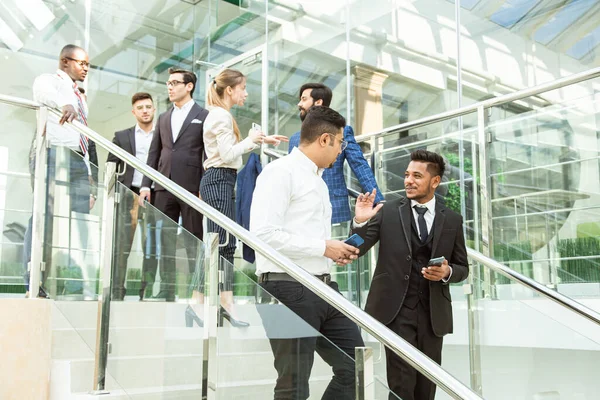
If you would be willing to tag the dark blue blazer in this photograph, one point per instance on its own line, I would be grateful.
(334, 176)
(246, 182)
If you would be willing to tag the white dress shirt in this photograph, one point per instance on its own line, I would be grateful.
(429, 215)
(142, 146)
(178, 117)
(56, 90)
(221, 146)
(291, 212)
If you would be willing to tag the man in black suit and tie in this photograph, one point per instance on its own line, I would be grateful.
(176, 151)
(407, 295)
(136, 141)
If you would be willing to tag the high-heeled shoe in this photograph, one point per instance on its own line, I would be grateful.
(191, 317)
(234, 322)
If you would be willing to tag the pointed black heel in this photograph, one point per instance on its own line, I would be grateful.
(191, 317)
(234, 322)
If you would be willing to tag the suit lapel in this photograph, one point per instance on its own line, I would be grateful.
(438, 225)
(405, 218)
(168, 131)
(194, 112)
(132, 140)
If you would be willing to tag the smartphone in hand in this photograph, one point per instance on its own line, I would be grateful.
(436, 261)
(354, 240)
(256, 127)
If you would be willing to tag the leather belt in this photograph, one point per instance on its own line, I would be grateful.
(282, 276)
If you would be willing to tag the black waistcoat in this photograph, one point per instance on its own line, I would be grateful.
(418, 288)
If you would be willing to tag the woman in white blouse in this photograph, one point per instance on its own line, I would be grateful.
(224, 149)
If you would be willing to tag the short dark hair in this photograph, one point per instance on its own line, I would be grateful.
(320, 120)
(188, 76)
(69, 49)
(319, 92)
(141, 96)
(435, 162)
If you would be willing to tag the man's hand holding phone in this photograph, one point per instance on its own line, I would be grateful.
(436, 269)
(340, 252)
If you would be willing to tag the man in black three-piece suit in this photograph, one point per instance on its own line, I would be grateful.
(176, 151)
(406, 295)
(136, 141)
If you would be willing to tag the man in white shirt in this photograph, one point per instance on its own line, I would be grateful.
(291, 212)
(176, 151)
(136, 141)
(59, 90)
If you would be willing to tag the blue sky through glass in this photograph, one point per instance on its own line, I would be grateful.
(512, 11)
(562, 20)
(585, 44)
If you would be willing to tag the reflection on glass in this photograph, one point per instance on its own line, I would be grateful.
(276, 329)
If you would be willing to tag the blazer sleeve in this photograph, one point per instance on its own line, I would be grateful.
(369, 232)
(459, 261)
(359, 165)
(294, 141)
(111, 157)
(153, 154)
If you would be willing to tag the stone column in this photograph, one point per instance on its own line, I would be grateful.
(368, 109)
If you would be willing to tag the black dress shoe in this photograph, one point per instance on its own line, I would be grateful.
(42, 294)
(234, 322)
(191, 317)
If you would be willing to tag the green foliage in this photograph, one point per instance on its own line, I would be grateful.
(518, 251)
(578, 270)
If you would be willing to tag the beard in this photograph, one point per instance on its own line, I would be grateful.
(302, 114)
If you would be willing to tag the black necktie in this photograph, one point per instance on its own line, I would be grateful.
(422, 224)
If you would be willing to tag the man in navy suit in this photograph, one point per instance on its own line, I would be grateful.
(317, 94)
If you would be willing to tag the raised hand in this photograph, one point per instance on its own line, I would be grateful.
(364, 210)
(275, 140)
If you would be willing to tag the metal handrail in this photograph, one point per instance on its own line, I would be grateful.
(493, 102)
(557, 297)
(402, 348)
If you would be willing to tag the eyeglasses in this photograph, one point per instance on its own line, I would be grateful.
(82, 63)
(174, 83)
(343, 143)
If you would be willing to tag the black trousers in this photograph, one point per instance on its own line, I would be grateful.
(128, 215)
(334, 338)
(414, 326)
(172, 207)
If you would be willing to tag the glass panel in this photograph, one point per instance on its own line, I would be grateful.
(74, 328)
(526, 340)
(72, 231)
(156, 344)
(573, 10)
(380, 390)
(585, 45)
(16, 195)
(544, 166)
(245, 354)
(512, 11)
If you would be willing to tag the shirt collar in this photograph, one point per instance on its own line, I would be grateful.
(64, 76)
(306, 162)
(430, 204)
(138, 129)
(186, 106)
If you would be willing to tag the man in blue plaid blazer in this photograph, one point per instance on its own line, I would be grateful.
(317, 94)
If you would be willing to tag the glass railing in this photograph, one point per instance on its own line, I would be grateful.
(16, 196)
(72, 226)
(246, 363)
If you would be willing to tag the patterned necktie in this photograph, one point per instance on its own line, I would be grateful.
(83, 140)
(422, 224)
